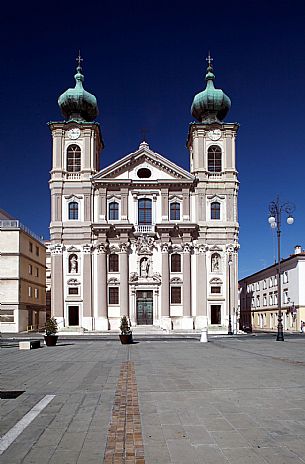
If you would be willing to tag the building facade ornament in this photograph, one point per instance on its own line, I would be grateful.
(124, 247)
(87, 248)
(145, 245)
(57, 249)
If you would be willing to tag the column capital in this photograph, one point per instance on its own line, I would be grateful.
(102, 248)
(124, 247)
(187, 247)
(201, 248)
(87, 248)
(57, 249)
(164, 247)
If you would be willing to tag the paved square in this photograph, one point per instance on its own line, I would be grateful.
(232, 400)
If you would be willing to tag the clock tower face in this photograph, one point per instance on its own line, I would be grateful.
(214, 134)
(74, 133)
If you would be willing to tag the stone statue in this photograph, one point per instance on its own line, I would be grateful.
(73, 264)
(215, 263)
(144, 267)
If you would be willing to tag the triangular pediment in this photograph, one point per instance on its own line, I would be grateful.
(144, 165)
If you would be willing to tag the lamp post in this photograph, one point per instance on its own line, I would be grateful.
(275, 213)
(230, 332)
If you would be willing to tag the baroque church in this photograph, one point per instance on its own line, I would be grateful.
(143, 237)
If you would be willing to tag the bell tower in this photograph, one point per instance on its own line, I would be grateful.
(77, 144)
(211, 143)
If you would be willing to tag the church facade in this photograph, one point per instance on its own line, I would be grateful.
(144, 237)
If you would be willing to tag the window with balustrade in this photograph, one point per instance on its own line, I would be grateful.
(73, 158)
(215, 210)
(73, 210)
(144, 211)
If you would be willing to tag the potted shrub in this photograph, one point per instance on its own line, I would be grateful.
(51, 328)
(126, 334)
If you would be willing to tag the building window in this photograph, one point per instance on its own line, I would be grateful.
(257, 285)
(36, 272)
(214, 159)
(37, 251)
(270, 282)
(30, 269)
(113, 295)
(258, 303)
(252, 302)
(176, 295)
(36, 292)
(113, 211)
(215, 210)
(144, 173)
(30, 247)
(285, 277)
(144, 211)
(175, 262)
(73, 210)
(175, 211)
(30, 292)
(275, 280)
(270, 299)
(215, 314)
(264, 284)
(215, 289)
(73, 291)
(73, 158)
(285, 296)
(113, 262)
(275, 298)
(265, 300)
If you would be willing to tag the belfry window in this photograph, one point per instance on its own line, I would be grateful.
(214, 159)
(73, 158)
(215, 210)
(175, 211)
(73, 210)
(113, 211)
(144, 211)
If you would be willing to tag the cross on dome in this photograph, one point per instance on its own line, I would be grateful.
(209, 59)
(79, 59)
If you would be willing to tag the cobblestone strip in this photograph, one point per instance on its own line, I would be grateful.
(124, 441)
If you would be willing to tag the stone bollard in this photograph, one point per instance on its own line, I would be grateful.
(204, 335)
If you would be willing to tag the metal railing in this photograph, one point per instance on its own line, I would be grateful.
(15, 224)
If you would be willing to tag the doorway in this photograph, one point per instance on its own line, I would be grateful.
(73, 315)
(145, 307)
(216, 314)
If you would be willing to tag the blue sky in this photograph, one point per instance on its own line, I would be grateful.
(145, 61)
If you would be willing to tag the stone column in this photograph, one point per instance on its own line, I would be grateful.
(201, 320)
(102, 215)
(124, 204)
(102, 302)
(124, 280)
(87, 319)
(165, 319)
(186, 204)
(57, 294)
(187, 322)
(164, 204)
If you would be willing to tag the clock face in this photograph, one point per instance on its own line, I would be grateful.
(214, 134)
(74, 133)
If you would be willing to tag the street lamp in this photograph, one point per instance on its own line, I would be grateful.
(230, 332)
(275, 213)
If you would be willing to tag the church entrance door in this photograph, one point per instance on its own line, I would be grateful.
(73, 315)
(145, 307)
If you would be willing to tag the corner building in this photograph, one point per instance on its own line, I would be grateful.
(144, 237)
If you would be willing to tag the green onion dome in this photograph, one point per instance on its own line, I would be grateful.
(77, 103)
(210, 105)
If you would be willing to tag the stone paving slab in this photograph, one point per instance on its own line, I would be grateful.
(232, 400)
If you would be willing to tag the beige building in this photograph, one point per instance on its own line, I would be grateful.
(259, 295)
(144, 237)
(22, 277)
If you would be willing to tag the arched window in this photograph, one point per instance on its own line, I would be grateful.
(113, 262)
(215, 210)
(214, 159)
(176, 262)
(175, 211)
(113, 211)
(144, 211)
(73, 158)
(73, 264)
(73, 210)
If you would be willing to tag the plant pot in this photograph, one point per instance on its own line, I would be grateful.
(126, 339)
(50, 340)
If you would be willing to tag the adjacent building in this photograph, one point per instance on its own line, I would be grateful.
(143, 237)
(22, 277)
(259, 295)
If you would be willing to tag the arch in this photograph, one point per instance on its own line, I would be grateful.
(175, 211)
(73, 210)
(175, 262)
(113, 211)
(73, 158)
(73, 264)
(215, 210)
(214, 158)
(144, 211)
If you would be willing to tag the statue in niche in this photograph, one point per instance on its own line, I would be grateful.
(215, 263)
(73, 264)
(144, 267)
